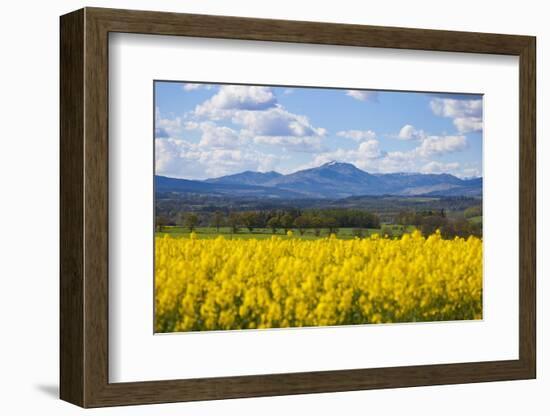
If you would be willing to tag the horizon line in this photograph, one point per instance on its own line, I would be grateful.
(325, 164)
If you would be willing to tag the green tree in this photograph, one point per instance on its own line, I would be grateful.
(161, 221)
(301, 223)
(286, 221)
(431, 223)
(234, 222)
(191, 220)
(317, 224)
(217, 220)
(332, 225)
(250, 219)
(274, 224)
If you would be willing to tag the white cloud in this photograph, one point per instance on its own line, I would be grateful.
(357, 135)
(167, 127)
(219, 137)
(440, 145)
(309, 144)
(182, 159)
(169, 153)
(212, 135)
(371, 157)
(365, 153)
(470, 173)
(466, 114)
(276, 122)
(191, 87)
(448, 107)
(230, 98)
(262, 120)
(191, 125)
(439, 167)
(369, 150)
(403, 156)
(408, 132)
(468, 124)
(363, 95)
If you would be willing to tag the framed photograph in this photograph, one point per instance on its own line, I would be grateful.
(255, 207)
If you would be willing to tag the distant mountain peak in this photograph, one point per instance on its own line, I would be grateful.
(247, 177)
(336, 179)
(336, 163)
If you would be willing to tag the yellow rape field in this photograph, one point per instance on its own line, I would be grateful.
(283, 282)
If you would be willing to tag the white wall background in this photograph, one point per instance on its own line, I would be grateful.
(29, 235)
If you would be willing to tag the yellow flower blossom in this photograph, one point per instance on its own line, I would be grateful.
(279, 282)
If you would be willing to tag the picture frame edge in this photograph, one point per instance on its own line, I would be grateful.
(84, 217)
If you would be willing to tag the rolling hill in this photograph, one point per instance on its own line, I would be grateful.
(332, 180)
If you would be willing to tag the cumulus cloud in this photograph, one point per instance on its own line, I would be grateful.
(439, 167)
(357, 135)
(212, 135)
(466, 114)
(371, 157)
(231, 98)
(191, 125)
(468, 124)
(276, 122)
(363, 95)
(470, 172)
(169, 153)
(447, 107)
(369, 149)
(183, 159)
(191, 87)
(161, 133)
(296, 144)
(408, 132)
(439, 145)
(219, 137)
(261, 118)
(366, 151)
(167, 127)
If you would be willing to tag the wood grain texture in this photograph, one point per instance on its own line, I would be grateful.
(84, 207)
(71, 185)
(226, 27)
(96, 208)
(527, 207)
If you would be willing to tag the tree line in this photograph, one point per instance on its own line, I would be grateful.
(316, 220)
(275, 220)
(429, 221)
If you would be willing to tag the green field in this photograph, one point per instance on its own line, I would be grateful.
(476, 220)
(263, 233)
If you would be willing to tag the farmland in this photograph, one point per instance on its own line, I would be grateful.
(287, 281)
(266, 233)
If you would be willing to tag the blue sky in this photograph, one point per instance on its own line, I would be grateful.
(210, 130)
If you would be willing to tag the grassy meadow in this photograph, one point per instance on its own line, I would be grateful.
(266, 233)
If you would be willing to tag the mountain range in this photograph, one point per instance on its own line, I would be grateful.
(333, 180)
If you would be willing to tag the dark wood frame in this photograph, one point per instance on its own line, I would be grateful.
(84, 207)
